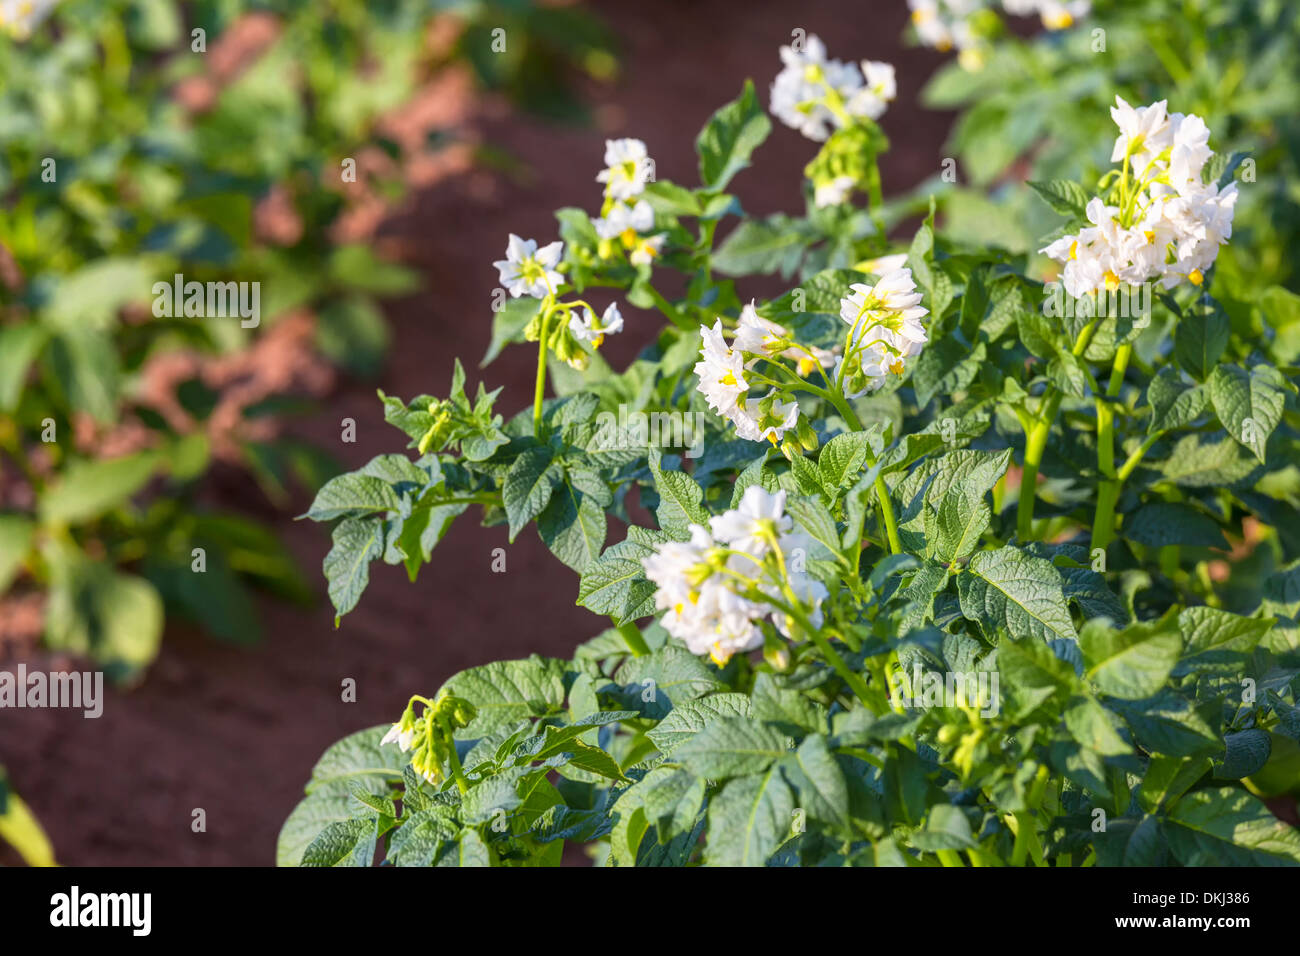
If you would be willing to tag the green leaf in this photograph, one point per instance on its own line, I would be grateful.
(508, 326)
(19, 346)
(1226, 826)
(573, 527)
(88, 489)
(93, 610)
(732, 747)
(761, 246)
(1200, 339)
(1093, 726)
(669, 678)
(813, 517)
(353, 495)
(730, 138)
(1196, 462)
(345, 843)
(616, 584)
(528, 487)
(16, 535)
(1248, 403)
(1245, 753)
(506, 692)
(1009, 588)
(357, 542)
(749, 820)
(1218, 638)
(1133, 663)
(946, 828)
(1173, 404)
(688, 719)
(1163, 523)
(819, 782)
(842, 458)
(1065, 196)
(680, 500)
(959, 523)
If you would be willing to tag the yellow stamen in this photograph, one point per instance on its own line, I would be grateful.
(1112, 281)
(719, 656)
(629, 238)
(1074, 249)
(728, 379)
(1195, 277)
(596, 342)
(772, 437)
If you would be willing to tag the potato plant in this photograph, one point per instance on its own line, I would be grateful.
(959, 568)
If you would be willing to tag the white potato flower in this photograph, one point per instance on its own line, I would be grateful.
(721, 372)
(750, 527)
(528, 270)
(716, 588)
(19, 18)
(628, 168)
(586, 327)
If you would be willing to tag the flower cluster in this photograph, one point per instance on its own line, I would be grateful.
(624, 218)
(429, 736)
(717, 588)
(1166, 223)
(884, 330)
(724, 371)
(816, 95)
(968, 25)
(1055, 14)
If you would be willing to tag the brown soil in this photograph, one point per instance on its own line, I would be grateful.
(235, 730)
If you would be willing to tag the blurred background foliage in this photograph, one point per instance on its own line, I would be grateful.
(140, 139)
(1037, 108)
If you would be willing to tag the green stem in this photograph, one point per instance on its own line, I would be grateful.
(669, 310)
(453, 758)
(1036, 443)
(539, 392)
(882, 490)
(1103, 522)
(632, 637)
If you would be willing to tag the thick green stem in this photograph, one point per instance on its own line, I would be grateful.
(882, 490)
(539, 392)
(1036, 443)
(632, 637)
(1103, 522)
(453, 758)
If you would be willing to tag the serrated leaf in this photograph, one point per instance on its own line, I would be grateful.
(1011, 589)
(528, 487)
(1248, 403)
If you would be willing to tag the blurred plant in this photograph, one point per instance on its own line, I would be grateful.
(20, 828)
(1037, 109)
(130, 155)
